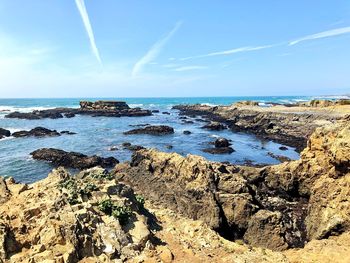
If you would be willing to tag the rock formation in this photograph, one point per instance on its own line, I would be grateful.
(72, 159)
(94, 109)
(68, 219)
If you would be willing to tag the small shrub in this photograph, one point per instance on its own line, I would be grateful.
(106, 206)
(69, 183)
(73, 199)
(122, 213)
(140, 201)
(103, 175)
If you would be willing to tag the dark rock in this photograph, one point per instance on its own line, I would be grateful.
(131, 147)
(69, 115)
(182, 117)
(222, 150)
(187, 132)
(4, 132)
(221, 142)
(152, 130)
(68, 132)
(155, 111)
(283, 148)
(72, 159)
(214, 126)
(169, 146)
(166, 113)
(36, 132)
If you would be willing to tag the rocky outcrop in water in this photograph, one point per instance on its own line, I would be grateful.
(94, 109)
(152, 130)
(72, 159)
(37, 132)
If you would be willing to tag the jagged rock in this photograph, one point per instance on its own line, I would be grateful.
(187, 132)
(72, 159)
(152, 130)
(43, 224)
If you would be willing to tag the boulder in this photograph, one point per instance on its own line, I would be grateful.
(221, 143)
(72, 159)
(187, 132)
(4, 132)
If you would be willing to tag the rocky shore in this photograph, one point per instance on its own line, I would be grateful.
(289, 125)
(163, 207)
(94, 109)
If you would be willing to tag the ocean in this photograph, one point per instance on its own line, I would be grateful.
(95, 135)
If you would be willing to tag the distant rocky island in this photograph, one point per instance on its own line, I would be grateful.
(94, 109)
(164, 207)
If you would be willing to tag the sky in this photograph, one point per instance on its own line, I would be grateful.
(157, 48)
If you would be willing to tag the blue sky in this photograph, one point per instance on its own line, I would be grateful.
(136, 48)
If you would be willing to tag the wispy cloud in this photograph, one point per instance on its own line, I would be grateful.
(329, 33)
(88, 28)
(187, 68)
(229, 52)
(154, 51)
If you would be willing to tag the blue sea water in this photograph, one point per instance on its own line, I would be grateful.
(95, 135)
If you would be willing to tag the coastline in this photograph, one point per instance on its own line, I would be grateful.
(168, 207)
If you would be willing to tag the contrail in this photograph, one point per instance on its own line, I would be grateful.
(154, 51)
(229, 52)
(329, 33)
(88, 28)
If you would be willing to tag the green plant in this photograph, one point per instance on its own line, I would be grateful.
(103, 175)
(68, 183)
(73, 199)
(122, 213)
(106, 206)
(140, 201)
